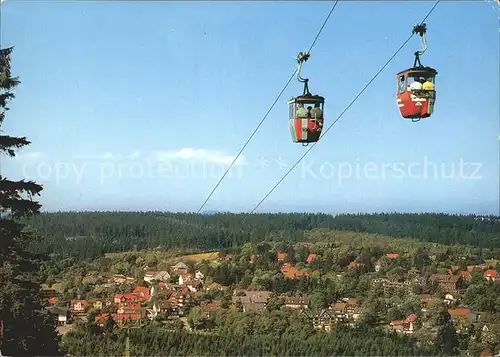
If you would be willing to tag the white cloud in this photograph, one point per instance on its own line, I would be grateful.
(216, 157)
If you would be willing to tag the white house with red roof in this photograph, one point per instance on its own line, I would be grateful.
(490, 275)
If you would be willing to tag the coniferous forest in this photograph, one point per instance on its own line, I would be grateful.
(90, 234)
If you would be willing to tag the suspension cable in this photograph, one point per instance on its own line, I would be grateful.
(267, 113)
(345, 110)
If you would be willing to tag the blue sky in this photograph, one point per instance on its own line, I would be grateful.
(138, 106)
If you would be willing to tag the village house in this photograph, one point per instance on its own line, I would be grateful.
(47, 294)
(311, 257)
(179, 268)
(126, 318)
(281, 257)
(252, 300)
(295, 302)
(228, 257)
(383, 262)
(162, 276)
(447, 283)
(354, 265)
(128, 314)
(121, 279)
(143, 293)
(339, 310)
(437, 253)
(61, 315)
(125, 299)
(78, 307)
(101, 319)
(397, 283)
(463, 317)
(129, 309)
(450, 299)
(177, 298)
(379, 264)
(465, 276)
(322, 319)
(100, 304)
(407, 326)
(151, 276)
(464, 314)
(290, 272)
(209, 308)
(194, 285)
(490, 275)
(185, 278)
(199, 275)
(170, 310)
(352, 308)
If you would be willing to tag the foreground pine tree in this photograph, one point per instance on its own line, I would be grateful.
(27, 330)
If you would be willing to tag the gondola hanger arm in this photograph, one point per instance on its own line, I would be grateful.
(421, 29)
(301, 58)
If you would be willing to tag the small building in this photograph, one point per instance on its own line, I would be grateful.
(490, 275)
(180, 268)
(60, 314)
(321, 319)
(296, 302)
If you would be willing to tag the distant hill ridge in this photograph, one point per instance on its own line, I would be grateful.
(123, 231)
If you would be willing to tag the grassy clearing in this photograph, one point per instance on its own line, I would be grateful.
(199, 257)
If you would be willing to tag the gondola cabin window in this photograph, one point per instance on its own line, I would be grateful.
(402, 84)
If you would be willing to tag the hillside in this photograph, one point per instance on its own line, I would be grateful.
(91, 234)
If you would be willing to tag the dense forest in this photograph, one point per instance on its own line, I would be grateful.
(289, 338)
(91, 234)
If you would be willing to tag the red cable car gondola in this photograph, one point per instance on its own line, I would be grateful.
(416, 86)
(306, 112)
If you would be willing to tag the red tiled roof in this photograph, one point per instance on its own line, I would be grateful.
(490, 273)
(83, 302)
(311, 257)
(102, 317)
(465, 274)
(339, 305)
(352, 302)
(459, 312)
(141, 290)
(411, 318)
(127, 316)
(290, 272)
